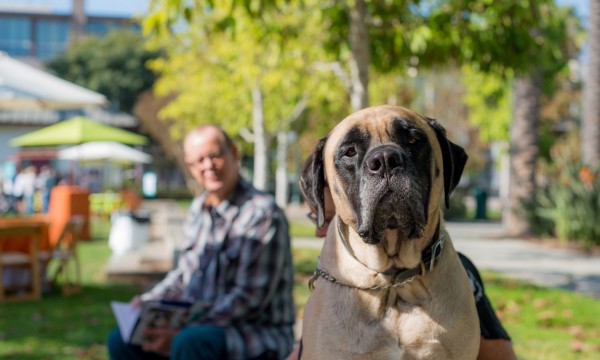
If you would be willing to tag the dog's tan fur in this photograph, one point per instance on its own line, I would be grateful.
(431, 317)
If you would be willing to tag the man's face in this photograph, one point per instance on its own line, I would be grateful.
(211, 162)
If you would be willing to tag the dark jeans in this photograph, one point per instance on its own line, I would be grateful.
(201, 342)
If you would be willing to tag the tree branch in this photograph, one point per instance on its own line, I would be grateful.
(298, 110)
(337, 69)
(247, 135)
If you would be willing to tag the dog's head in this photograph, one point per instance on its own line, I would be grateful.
(387, 169)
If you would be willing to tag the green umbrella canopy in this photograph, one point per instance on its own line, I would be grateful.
(77, 130)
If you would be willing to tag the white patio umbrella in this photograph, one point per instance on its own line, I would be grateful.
(23, 86)
(111, 156)
(104, 150)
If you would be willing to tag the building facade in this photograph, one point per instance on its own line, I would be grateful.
(37, 33)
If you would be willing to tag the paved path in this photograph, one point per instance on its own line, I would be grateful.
(485, 244)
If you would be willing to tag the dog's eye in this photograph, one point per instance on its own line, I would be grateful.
(350, 152)
(414, 136)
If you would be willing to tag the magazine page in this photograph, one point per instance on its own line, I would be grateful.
(127, 316)
(157, 314)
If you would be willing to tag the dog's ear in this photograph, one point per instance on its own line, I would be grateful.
(454, 158)
(312, 181)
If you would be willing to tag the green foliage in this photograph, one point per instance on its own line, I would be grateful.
(494, 37)
(497, 36)
(491, 36)
(489, 103)
(571, 201)
(213, 72)
(556, 38)
(567, 205)
(114, 65)
(165, 15)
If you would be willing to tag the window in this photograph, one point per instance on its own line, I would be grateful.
(51, 37)
(15, 36)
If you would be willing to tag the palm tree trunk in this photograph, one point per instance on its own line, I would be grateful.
(524, 149)
(590, 129)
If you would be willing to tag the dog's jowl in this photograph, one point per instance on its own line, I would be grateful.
(389, 284)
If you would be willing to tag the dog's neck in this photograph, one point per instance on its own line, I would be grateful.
(354, 263)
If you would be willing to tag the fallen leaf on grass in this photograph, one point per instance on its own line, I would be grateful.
(575, 330)
(577, 346)
(546, 318)
(567, 314)
(539, 303)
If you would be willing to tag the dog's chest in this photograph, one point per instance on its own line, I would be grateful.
(387, 325)
(406, 308)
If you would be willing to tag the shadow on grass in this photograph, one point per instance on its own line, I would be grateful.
(58, 327)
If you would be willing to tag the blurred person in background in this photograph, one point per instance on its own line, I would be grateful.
(45, 182)
(24, 189)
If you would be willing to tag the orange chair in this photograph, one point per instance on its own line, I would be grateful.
(66, 201)
(67, 270)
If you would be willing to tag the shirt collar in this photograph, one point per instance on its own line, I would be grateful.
(240, 189)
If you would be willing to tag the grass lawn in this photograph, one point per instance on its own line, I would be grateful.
(544, 323)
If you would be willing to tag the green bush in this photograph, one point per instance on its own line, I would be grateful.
(458, 209)
(571, 202)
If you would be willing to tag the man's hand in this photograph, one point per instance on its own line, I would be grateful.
(136, 302)
(158, 340)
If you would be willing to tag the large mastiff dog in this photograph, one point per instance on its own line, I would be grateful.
(389, 284)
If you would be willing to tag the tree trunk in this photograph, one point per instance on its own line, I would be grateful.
(281, 178)
(283, 144)
(524, 149)
(590, 129)
(360, 59)
(260, 140)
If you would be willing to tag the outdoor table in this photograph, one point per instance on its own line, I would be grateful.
(22, 239)
(21, 243)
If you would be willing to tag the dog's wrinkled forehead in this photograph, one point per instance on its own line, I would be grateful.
(376, 127)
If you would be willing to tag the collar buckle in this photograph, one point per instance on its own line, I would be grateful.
(436, 250)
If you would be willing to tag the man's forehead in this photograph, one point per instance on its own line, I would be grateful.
(199, 146)
(204, 137)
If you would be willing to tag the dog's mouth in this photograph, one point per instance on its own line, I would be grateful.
(402, 210)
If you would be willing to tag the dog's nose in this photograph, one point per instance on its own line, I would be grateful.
(384, 160)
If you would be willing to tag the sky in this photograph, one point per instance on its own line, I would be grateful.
(93, 7)
(581, 6)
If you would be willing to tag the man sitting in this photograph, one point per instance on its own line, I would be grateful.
(236, 258)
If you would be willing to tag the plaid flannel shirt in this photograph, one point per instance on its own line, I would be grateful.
(237, 259)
